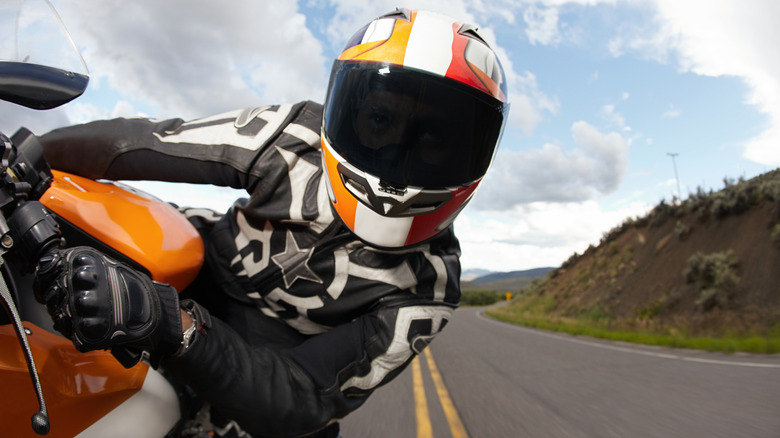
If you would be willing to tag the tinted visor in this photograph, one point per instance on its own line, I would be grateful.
(410, 128)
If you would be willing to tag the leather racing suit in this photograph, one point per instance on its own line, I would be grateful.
(317, 319)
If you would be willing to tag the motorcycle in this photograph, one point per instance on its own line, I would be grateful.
(72, 394)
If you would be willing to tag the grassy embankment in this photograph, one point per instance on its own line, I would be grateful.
(531, 310)
(700, 274)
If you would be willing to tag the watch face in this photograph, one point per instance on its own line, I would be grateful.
(186, 338)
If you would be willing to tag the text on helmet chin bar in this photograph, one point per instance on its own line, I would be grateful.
(386, 187)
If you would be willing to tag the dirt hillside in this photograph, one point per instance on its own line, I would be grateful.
(707, 266)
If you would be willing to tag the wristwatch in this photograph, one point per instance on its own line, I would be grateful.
(186, 337)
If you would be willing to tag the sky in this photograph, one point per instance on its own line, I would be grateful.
(616, 105)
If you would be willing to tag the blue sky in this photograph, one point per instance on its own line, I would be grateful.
(601, 92)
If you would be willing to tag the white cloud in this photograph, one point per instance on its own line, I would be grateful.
(13, 116)
(81, 112)
(671, 113)
(528, 102)
(721, 38)
(765, 148)
(541, 25)
(189, 59)
(191, 195)
(614, 118)
(554, 174)
(536, 235)
(124, 108)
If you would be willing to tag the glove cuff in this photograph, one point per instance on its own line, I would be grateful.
(168, 334)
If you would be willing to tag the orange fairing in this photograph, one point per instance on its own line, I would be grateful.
(150, 232)
(79, 388)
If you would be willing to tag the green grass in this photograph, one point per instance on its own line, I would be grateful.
(480, 297)
(599, 328)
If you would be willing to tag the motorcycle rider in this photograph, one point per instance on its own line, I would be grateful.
(342, 264)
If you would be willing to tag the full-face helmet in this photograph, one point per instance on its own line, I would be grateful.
(415, 109)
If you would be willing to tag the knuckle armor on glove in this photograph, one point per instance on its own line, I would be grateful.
(100, 303)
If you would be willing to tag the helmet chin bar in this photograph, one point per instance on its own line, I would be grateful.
(389, 216)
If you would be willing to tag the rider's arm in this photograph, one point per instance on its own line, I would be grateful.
(221, 150)
(299, 390)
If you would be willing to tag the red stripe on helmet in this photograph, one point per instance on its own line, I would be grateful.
(463, 71)
(424, 226)
(459, 68)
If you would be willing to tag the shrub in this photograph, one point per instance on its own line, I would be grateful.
(597, 314)
(651, 311)
(732, 200)
(660, 213)
(770, 189)
(682, 230)
(641, 222)
(716, 276)
(775, 236)
(611, 235)
(570, 261)
(536, 286)
(480, 297)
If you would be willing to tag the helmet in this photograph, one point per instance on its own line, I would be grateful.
(415, 108)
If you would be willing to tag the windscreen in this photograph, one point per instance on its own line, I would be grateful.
(40, 66)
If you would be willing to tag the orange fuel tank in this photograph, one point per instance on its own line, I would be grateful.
(149, 231)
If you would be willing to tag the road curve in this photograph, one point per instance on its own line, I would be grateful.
(510, 381)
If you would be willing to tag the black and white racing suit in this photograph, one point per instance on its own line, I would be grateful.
(317, 318)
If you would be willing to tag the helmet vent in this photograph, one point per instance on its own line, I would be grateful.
(470, 31)
(399, 14)
(355, 186)
(427, 207)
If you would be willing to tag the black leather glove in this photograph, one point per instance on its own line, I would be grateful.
(100, 303)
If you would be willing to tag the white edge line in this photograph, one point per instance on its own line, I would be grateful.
(628, 350)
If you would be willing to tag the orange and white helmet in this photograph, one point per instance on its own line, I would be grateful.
(415, 109)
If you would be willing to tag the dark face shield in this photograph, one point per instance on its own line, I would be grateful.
(409, 128)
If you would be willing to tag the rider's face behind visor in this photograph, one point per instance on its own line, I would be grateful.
(410, 128)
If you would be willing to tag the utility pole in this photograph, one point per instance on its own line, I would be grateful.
(676, 177)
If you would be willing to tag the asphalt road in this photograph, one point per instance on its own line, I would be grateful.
(509, 381)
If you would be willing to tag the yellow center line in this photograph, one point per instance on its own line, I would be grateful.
(456, 426)
(424, 429)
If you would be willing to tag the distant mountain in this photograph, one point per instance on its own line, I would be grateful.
(501, 276)
(471, 274)
(500, 281)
